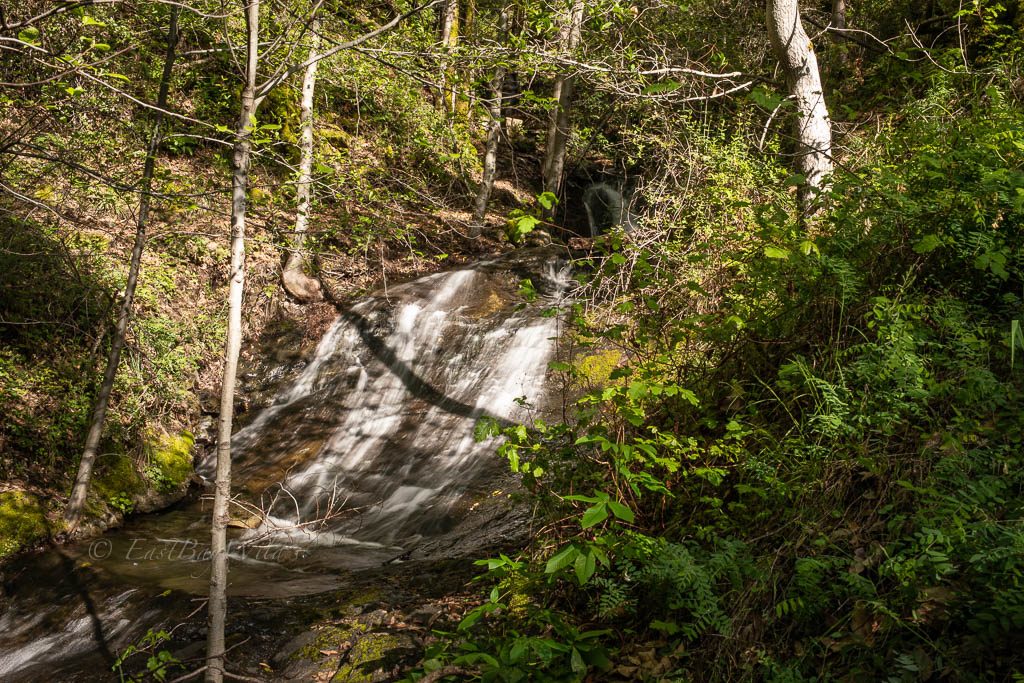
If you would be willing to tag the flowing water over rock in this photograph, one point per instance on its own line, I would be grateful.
(365, 457)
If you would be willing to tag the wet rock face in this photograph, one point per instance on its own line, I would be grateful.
(372, 443)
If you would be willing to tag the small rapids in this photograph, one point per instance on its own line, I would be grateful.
(366, 456)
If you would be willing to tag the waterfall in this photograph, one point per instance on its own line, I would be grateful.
(387, 408)
(366, 454)
(606, 208)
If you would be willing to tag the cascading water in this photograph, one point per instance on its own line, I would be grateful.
(366, 455)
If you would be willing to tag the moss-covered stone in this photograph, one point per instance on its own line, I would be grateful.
(368, 654)
(169, 460)
(22, 521)
(117, 482)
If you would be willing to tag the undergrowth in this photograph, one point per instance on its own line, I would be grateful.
(807, 462)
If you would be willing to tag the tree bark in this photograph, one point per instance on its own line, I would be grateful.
(491, 148)
(839, 22)
(296, 282)
(217, 607)
(449, 40)
(76, 504)
(794, 50)
(559, 125)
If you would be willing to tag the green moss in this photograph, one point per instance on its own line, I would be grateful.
(327, 639)
(368, 650)
(169, 459)
(117, 481)
(595, 370)
(22, 521)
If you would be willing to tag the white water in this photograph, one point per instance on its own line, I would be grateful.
(398, 443)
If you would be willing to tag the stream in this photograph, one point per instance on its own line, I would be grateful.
(364, 457)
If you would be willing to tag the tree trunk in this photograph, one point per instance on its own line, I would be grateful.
(491, 149)
(794, 51)
(558, 126)
(217, 609)
(76, 504)
(293, 277)
(449, 40)
(839, 22)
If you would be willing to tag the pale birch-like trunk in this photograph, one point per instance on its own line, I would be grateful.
(449, 40)
(217, 607)
(491, 146)
(76, 504)
(793, 49)
(293, 277)
(559, 125)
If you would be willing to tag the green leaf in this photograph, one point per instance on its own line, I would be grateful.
(808, 246)
(776, 252)
(525, 224)
(585, 566)
(764, 98)
(561, 560)
(29, 35)
(559, 366)
(547, 200)
(485, 428)
(594, 515)
(621, 511)
(89, 21)
(927, 243)
(576, 661)
(1016, 338)
(661, 88)
(578, 497)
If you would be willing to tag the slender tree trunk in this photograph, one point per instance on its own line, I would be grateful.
(839, 22)
(295, 280)
(493, 137)
(559, 126)
(76, 504)
(794, 51)
(217, 609)
(449, 40)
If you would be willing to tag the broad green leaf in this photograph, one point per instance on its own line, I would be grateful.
(621, 511)
(29, 35)
(585, 565)
(561, 560)
(576, 661)
(927, 243)
(594, 515)
(776, 252)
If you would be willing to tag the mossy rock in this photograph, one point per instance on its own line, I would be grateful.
(116, 475)
(22, 521)
(169, 460)
(369, 655)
